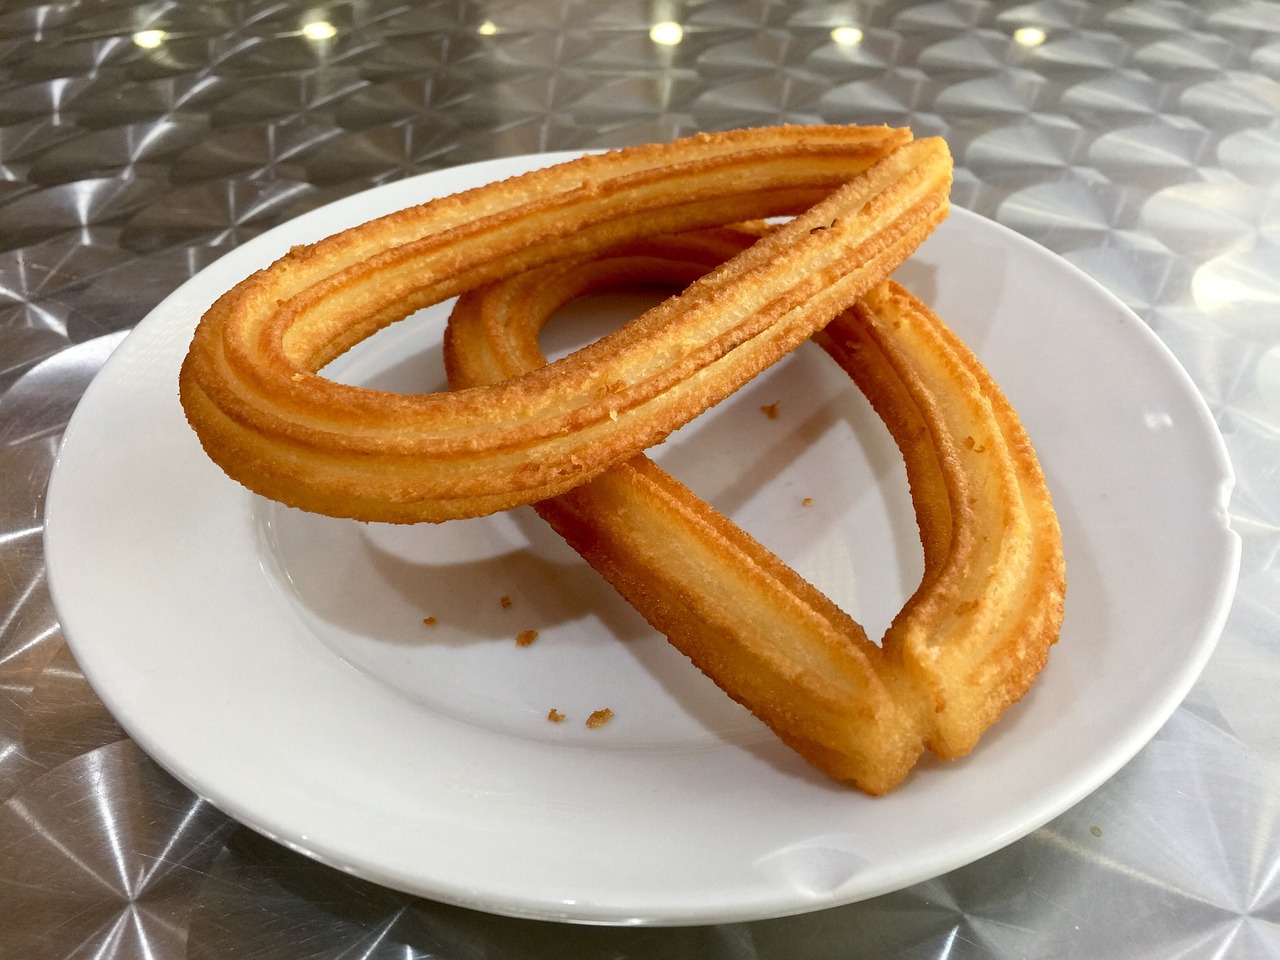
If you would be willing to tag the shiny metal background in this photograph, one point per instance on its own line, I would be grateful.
(140, 141)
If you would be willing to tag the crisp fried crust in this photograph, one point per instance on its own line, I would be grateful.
(967, 644)
(250, 384)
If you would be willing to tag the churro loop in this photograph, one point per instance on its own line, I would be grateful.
(252, 390)
(967, 644)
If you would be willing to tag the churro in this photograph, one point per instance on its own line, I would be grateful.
(966, 645)
(253, 390)
(568, 436)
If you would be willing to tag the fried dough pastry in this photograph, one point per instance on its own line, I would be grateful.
(251, 385)
(966, 645)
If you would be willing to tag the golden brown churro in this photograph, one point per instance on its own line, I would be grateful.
(567, 436)
(250, 385)
(966, 645)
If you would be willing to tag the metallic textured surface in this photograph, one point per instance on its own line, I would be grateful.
(139, 141)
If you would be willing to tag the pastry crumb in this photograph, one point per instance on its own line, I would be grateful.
(770, 410)
(807, 502)
(504, 601)
(526, 637)
(555, 716)
(429, 621)
(599, 718)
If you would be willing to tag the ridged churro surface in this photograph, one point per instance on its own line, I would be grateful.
(252, 389)
(568, 436)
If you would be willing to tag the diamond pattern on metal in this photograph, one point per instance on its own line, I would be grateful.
(139, 141)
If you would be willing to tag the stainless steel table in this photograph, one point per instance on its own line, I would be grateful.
(140, 141)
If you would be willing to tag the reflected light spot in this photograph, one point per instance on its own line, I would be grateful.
(1157, 421)
(149, 39)
(1241, 279)
(319, 30)
(668, 33)
(847, 36)
(1029, 36)
(1213, 291)
(487, 29)
(1240, 290)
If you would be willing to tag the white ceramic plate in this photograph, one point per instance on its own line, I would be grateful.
(279, 665)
